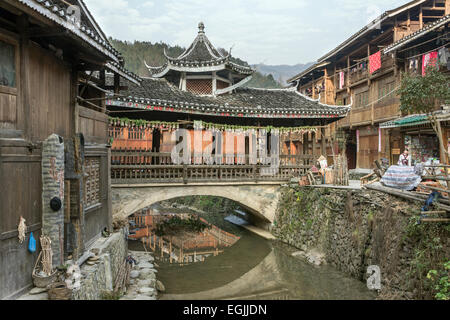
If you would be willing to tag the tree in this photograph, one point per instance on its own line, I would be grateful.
(424, 95)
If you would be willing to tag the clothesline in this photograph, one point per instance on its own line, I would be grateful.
(422, 43)
(365, 60)
(421, 54)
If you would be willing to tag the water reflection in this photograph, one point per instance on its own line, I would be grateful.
(184, 247)
(252, 268)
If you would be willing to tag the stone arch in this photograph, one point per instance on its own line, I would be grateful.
(260, 200)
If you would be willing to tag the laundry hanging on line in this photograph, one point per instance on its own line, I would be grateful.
(375, 62)
(429, 59)
(444, 57)
(341, 80)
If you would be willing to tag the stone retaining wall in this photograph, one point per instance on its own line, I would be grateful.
(354, 230)
(99, 278)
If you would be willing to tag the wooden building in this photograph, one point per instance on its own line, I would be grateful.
(206, 87)
(53, 62)
(366, 70)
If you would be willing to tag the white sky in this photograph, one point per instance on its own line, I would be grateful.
(260, 31)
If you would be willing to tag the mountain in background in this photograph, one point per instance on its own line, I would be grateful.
(281, 73)
(135, 53)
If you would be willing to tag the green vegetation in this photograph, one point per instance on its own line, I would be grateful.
(135, 53)
(441, 281)
(424, 95)
(428, 258)
(177, 225)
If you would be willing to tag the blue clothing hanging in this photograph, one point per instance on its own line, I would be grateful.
(32, 244)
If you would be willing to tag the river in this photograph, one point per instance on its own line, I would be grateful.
(255, 268)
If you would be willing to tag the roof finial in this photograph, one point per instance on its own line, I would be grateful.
(201, 27)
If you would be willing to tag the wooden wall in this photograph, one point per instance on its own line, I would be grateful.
(20, 195)
(93, 125)
(49, 95)
(42, 104)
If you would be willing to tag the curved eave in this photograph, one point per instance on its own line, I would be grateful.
(58, 15)
(208, 110)
(115, 67)
(202, 67)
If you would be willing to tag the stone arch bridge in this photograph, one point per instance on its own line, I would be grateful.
(259, 198)
(140, 179)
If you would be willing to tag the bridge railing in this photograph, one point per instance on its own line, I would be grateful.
(140, 167)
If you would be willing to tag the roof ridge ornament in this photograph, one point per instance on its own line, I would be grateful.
(201, 28)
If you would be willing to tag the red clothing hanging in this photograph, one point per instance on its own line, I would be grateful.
(375, 62)
(429, 59)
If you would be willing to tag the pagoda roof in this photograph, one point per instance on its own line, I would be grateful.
(160, 95)
(200, 56)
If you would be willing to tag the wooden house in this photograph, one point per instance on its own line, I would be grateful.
(206, 87)
(345, 74)
(53, 130)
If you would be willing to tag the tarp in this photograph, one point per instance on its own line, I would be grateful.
(401, 177)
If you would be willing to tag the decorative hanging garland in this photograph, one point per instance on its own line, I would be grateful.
(125, 122)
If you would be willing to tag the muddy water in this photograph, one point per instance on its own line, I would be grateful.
(255, 268)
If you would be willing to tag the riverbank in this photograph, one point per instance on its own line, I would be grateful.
(351, 230)
(143, 283)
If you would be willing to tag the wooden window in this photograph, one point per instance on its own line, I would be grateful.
(9, 81)
(7, 64)
(92, 182)
(362, 99)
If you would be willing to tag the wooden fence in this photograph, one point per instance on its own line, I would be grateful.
(139, 166)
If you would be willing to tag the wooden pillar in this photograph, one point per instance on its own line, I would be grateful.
(314, 144)
(421, 15)
(170, 250)
(368, 69)
(323, 147)
(23, 108)
(348, 75)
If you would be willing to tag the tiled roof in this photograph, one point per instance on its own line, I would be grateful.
(159, 94)
(201, 56)
(369, 27)
(429, 27)
(61, 13)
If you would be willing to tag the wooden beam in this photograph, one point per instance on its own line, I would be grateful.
(435, 220)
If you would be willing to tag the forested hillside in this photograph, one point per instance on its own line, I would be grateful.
(135, 53)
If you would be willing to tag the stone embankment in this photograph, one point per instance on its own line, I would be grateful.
(101, 267)
(352, 230)
(143, 282)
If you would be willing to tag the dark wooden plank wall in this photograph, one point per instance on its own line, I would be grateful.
(49, 95)
(93, 124)
(22, 170)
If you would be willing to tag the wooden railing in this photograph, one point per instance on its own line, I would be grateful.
(140, 167)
